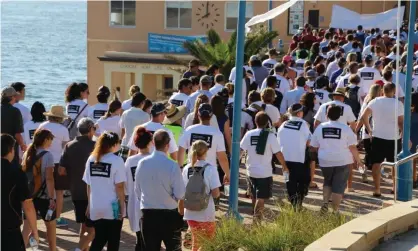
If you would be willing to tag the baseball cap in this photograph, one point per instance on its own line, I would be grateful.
(157, 109)
(8, 92)
(312, 74)
(368, 58)
(287, 59)
(205, 110)
(380, 82)
(254, 58)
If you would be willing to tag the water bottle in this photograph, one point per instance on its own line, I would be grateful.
(361, 170)
(286, 176)
(384, 174)
(115, 209)
(33, 244)
(226, 190)
(48, 215)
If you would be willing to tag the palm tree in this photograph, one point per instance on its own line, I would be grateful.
(221, 53)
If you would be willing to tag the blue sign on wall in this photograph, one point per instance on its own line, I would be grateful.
(163, 43)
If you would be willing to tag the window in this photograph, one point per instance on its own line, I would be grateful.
(178, 15)
(122, 13)
(231, 14)
(168, 86)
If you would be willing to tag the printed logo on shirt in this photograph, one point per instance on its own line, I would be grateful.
(320, 95)
(367, 75)
(270, 66)
(416, 71)
(345, 82)
(254, 140)
(279, 81)
(293, 125)
(97, 114)
(133, 169)
(73, 109)
(100, 169)
(342, 109)
(299, 65)
(331, 133)
(204, 137)
(176, 102)
(31, 133)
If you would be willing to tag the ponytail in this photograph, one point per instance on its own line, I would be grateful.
(201, 99)
(103, 145)
(194, 158)
(113, 107)
(39, 138)
(198, 149)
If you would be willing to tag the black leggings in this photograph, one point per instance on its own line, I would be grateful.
(106, 231)
(139, 246)
(298, 184)
(368, 149)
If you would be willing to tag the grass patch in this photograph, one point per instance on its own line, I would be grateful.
(286, 231)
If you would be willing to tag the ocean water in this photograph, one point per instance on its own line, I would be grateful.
(43, 45)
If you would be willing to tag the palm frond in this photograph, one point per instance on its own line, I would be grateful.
(213, 37)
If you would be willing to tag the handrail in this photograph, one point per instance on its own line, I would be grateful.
(400, 162)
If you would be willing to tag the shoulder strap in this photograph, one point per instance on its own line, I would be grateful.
(264, 107)
(76, 117)
(40, 155)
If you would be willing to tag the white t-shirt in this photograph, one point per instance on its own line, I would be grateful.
(216, 89)
(26, 115)
(189, 121)
(111, 124)
(400, 88)
(130, 119)
(259, 166)
(127, 104)
(153, 127)
(269, 63)
(134, 205)
(211, 179)
(322, 97)
(332, 67)
(247, 120)
(75, 107)
(383, 117)
(233, 74)
(283, 85)
(333, 139)
(292, 137)
(347, 115)
(212, 136)
(343, 81)
(97, 111)
(61, 135)
(272, 111)
(29, 130)
(243, 92)
(102, 178)
(369, 76)
(178, 99)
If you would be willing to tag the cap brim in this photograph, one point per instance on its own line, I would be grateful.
(55, 115)
(179, 115)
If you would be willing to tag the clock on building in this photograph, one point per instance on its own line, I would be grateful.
(207, 14)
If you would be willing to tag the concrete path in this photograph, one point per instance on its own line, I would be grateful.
(404, 242)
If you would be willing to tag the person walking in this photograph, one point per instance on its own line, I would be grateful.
(37, 112)
(38, 164)
(200, 221)
(105, 178)
(126, 105)
(271, 61)
(77, 108)
(293, 137)
(193, 117)
(98, 110)
(15, 197)
(205, 84)
(184, 87)
(20, 89)
(73, 159)
(110, 122)
(335, 145)
(55, 117)
(293, 96)
(219, 84)
(173, 120)
(159, 186)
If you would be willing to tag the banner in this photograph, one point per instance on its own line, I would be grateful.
(347, 19)
(269, 15)
(163, 43)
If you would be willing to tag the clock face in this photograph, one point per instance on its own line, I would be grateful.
(207, 14)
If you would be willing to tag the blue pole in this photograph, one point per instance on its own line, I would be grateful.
(404, 171)
(270, 23)
(236, 127)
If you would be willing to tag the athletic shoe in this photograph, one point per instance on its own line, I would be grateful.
(61, 222)
(324, 209)
(364, 178)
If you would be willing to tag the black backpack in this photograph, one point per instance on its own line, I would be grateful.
(352, 100)
(278, 99)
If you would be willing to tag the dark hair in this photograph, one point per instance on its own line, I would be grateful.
(279, 67)
(137, 99)
(37, 112)
(387, 75)
(341, 62)
(350, 37)
(161, 139)
(261, 119)
(353, 67)
(218, 106)
(73, 92)
(318, 60)
(142, 137)
(301, 81)
(39, 138)
(414, 102)
(195, 80)
(219, 78)
(147, 104)
(254, 96)
(255, 63)
(113, 107)
(308, 100)
(320, 69)
(83, 87)
(103, 144)
(7, 144)
(315, 48)
(328, 35)
(334, 112)
(303, 54)
(211, 70)
(354, 79)
(184, 82)
(360, 27)
(102, 97)
(18, 86)
(271, 81)
(389, 87)
(5, 100)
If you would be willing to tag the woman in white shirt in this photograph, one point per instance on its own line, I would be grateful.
(110, 121)
(193, 118)
(37, 112)
(105, 178)
(127, 103)
(201, 223)
(77, 107)
(98, 110)
(143, 140)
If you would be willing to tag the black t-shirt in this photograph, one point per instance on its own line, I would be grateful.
(11, 120)
(14, 190)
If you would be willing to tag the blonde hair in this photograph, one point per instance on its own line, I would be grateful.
(268, 95)
(230, 88)
(198, 149)
(374, 92)
(133, 89)
(351, 57)
(201, 99)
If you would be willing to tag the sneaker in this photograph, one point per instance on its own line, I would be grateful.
(364, 178)
(324, 209)
(61, 222)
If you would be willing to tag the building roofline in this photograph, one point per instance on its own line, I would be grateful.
(152, 58)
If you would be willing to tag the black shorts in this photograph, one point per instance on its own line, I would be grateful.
(261, 188)
(12, 240)
(384, 149)
(42, 207)
(80, 207)
(61, 182)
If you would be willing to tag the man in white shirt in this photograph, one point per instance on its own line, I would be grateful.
(271, 61)
(346, 116)
(293, 96)
(293, 137)
(184, 87)
(326, 40)
(368, 74)
(333, 66)
(219, 84)
(321, 93)
(335, 144)
(248, 114)
(127, 103)
(260, 145)
(282, 83)
(368, 49)
(266, 103)
(205, 83)
(386, 132)
(388, 77)
(20, 88)
(342, 81)
(349, 45)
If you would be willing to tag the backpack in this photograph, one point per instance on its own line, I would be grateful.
(196, 198)
(34, 175)
(352, 100)
(278, 99)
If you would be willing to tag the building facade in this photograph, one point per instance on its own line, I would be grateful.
(128, 41)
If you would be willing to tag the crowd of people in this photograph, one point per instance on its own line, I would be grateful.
(162, 165)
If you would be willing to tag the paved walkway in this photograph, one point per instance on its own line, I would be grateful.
(404, 242)
(358, 202)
